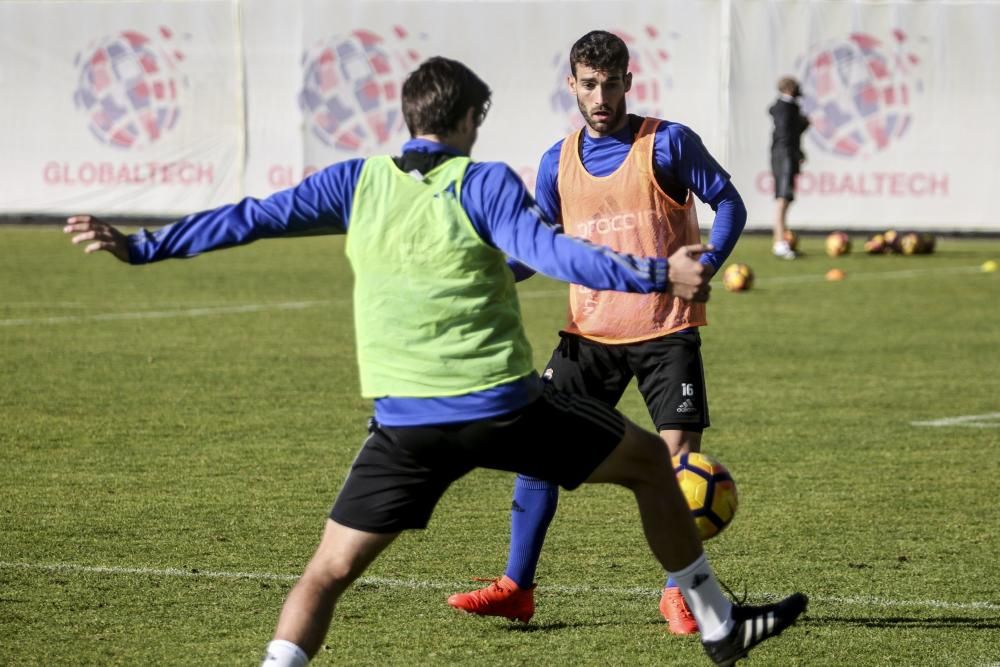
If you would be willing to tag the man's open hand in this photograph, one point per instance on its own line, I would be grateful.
(99, 234)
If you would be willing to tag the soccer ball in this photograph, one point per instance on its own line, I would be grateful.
(892, 237)
(709, 490)
(929, 241)
(737, 278)
(875, 245)
(791, 238)
(838, 243)
(911, 244)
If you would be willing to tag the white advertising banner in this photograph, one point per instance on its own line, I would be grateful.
(902, 99)
(119, 107)
(324, 79)
(159, 108)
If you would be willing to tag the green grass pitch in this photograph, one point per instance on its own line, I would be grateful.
(172, 436)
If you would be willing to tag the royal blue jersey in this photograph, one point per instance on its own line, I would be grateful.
(500, 208)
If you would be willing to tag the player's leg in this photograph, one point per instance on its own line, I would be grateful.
(784, 181)
(570, 439)
(728, 631)
(780, 227)
(395, 482)
(577, 366)
(575, 439)
(671, 379)
(673, 608)
(343, 554)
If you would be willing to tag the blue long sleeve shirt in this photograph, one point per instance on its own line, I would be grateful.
(502, 212)
(677, 151)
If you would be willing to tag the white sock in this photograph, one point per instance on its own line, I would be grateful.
(282, 653)
(709, 605)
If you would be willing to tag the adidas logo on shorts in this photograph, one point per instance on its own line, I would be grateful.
(687, 407)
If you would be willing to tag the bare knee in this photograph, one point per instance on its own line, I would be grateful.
(640, 458)
(342, 556)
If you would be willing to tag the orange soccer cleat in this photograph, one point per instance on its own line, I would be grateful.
(675, 610)
(503, 597)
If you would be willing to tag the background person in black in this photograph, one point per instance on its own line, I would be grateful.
(786, 157)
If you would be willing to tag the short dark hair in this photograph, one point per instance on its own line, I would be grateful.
(439, 93)
(600, 50)
(789, 86)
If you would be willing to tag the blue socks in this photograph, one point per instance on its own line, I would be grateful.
(670, 583)
(531, 513)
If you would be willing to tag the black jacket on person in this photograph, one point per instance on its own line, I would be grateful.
(789, 125)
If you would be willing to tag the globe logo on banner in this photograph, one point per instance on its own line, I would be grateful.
(351, 89)
(128, 87)
(650, 79)
(857, 94)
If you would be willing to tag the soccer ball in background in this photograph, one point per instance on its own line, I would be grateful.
(911, 244)
(709, 490)
(838, 243)
(737, 278)
(929, 242)
(892, 242)
(891, 237)
(914, 243)
(875, 245)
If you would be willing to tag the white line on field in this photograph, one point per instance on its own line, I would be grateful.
(416, 584)
(162, 314)
(870, 275)
(302, 305)
(989, 420)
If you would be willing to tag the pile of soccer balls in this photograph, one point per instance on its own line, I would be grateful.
(709, 490)
(886, 243)
(892, 242)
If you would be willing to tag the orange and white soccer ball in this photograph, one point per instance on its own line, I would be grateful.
(838, 243)
(737, 278)
(709, 490)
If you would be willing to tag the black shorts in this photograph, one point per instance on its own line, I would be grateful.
(784, 169)
(401, 472)
(668, 370)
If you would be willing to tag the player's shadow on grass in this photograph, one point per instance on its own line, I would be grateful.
(969, 622)
(527, 628)
(554, 626)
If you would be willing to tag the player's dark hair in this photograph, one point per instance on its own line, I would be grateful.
(438, 94)
(599, 50)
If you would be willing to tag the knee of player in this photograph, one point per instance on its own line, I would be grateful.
(330, 572)
(648, 460)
